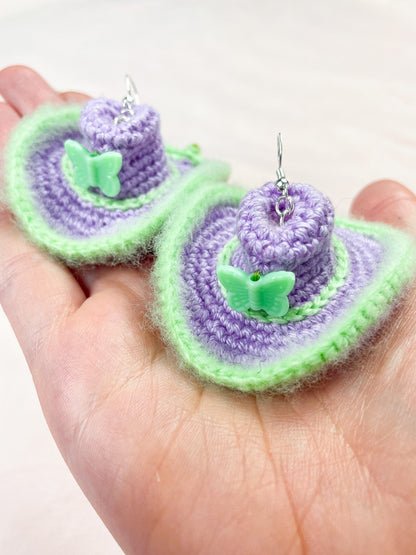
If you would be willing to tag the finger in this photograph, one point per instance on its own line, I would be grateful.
(97, 278)
(25, 90)
(388, 202)
(9, 119)
(128, 291)
(73, 96)
(125, 286)
(35, 292)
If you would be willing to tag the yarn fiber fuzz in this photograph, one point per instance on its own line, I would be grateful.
(361, 270)
(84, 226)
(145, 163)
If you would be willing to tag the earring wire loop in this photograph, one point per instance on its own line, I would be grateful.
(282, 184)
(131, 99)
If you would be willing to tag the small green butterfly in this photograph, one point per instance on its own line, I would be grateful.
(95, 170)
(256, 291)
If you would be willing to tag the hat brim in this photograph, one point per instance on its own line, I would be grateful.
(51, 208)
(243, 352)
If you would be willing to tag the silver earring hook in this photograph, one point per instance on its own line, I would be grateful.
(282, 184)
(130, 100)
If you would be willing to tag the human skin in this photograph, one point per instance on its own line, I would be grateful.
(176, 467)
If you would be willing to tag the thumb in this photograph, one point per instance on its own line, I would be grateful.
(388, 202)
(393, 355)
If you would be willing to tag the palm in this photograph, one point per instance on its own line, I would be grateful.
(176, 467)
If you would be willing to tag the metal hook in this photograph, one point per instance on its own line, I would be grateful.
(131, 90)
(279, 150)
(281, 181)
(282, 184)
(131, 99)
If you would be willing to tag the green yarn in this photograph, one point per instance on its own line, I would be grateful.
(372, 303)
(106, 248)
(298, 312)
(120, 204)
(192, 152)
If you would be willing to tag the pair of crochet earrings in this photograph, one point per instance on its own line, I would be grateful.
(256, 290)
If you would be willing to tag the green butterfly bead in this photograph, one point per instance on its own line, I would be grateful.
(93, 169)
(256, 291)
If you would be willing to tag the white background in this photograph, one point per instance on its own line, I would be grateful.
(336, 77)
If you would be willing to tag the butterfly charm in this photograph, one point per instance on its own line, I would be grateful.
(93, 169)
(256, 291)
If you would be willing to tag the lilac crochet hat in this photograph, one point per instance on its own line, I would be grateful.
(251, 304)
(90, 189)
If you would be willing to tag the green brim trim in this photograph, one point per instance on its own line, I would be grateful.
(119, 247)
(373, 302)
(126, 204)
(298, 312)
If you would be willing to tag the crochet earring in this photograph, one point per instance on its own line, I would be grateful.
(94, 184)
(262, 290)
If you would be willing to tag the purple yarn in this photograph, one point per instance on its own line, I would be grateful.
(60, 204)
(302, 245)
(138, 140)
(183, 165)
(230, 335)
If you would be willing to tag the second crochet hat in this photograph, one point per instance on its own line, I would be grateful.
(90, 186)
(254, 303)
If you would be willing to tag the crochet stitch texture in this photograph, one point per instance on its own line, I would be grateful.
(145, 164)
(250, 354)
(302, 245)
(311, 307)
(85, 226)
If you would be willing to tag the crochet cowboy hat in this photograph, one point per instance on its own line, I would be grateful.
(251, 304)
(89, 188)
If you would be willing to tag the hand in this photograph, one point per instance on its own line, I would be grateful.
(173, 466)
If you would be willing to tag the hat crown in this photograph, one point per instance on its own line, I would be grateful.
(138, 140)
(303, 244)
